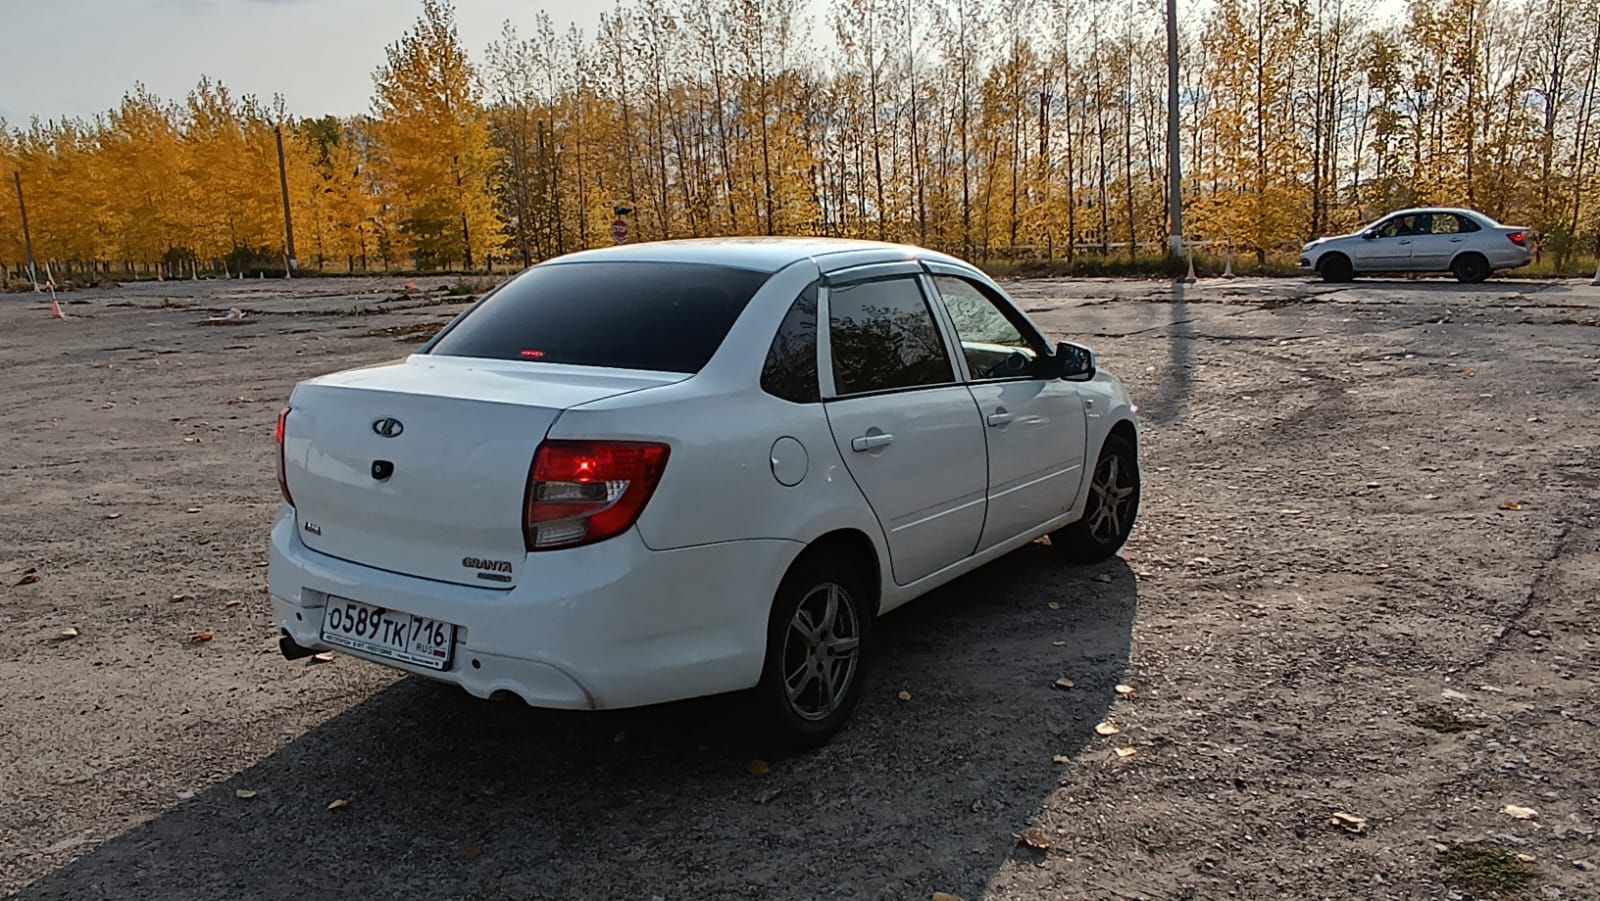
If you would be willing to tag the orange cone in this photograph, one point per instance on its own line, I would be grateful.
(55, 310)
(411, 287)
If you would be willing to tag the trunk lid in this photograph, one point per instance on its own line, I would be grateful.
(420, 467)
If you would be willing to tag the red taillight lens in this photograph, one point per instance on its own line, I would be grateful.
(278, 434)
(1519, 238)
(580, 492)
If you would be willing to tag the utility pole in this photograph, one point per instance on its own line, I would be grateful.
(27, 239)
(1174, 157)
(288, 221)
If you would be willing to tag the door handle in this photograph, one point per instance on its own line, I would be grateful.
(999, 418)
(863, 443)
(1457, 240)
(1402, 242)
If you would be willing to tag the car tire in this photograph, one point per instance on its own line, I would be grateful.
(1336, 267)
(817, 638)
(1112, 507)
(1470, 268)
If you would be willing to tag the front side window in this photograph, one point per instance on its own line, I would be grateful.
(668, 317)
(790, 371)
(993, 345)
(1406, 226)
(883, 337)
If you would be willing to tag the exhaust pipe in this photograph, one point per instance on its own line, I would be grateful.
(290, 649)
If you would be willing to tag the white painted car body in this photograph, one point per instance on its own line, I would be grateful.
(1424, 239)
(676, 606)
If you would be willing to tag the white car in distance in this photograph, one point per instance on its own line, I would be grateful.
(655, 472)
(1465, 243)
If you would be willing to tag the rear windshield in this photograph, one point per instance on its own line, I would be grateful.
(624, 315)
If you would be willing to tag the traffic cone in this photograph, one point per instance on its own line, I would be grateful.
(411, 287)
(55, 307)
(1227, 268)
(1190, 279)
(1596, 273)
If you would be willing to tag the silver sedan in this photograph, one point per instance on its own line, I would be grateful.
(1465, 243)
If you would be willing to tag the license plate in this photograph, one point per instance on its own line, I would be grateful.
(388, 633)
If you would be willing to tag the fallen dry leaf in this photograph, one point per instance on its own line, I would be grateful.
(1058, 643)
(1061, 759)
(194, 509)
(324, 657)
(1127, 752)
(1106, 728)
(28, 579)
(1035, 839)
(904, 695)
(1511, 505)
(202, 636)
(244, 794)
(1105, 577)
(473, 851)
(67, 634)
(1124, 689)
(179, 597)
(339, 804)
(766, 794)
(1517, 812)
(1467, 374)
(1526, 858)
(758, 768)
(1064, 682)
(1349, 822)
(1055, 605)
(113, 516)
(233, 602)
(944, 896)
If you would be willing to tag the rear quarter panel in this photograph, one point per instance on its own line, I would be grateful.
(719, 484)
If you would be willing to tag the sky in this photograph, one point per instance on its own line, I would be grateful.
(77, 57)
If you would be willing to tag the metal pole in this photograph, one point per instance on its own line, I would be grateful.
(27, 239)
(283, 182)
(1174, 157)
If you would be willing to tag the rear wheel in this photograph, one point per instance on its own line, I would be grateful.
(1336, 267)
(812, 679)
(1113, 505)
(1470, 268)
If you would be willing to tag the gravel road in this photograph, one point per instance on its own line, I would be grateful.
(1365, 582)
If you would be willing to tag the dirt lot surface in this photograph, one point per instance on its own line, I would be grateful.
(1365, 582)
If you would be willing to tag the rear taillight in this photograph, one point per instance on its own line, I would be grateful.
(1518, 238)
(283, 480)
(580, 492)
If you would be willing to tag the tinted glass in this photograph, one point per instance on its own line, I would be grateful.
(883, 337)
(791, 368)
(992, 344)
(623, 315)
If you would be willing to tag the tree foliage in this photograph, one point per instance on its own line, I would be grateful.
(1023, 128)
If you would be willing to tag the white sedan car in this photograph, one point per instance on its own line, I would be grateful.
(1465, 243)
(654, 472)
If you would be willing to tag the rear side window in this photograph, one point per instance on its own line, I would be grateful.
(791, 368)
(669, 317)
(883, 337)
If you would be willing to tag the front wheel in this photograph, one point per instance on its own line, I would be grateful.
(1336, 267)
(814, 669)
(1113, 505)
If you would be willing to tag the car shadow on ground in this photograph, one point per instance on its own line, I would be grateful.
(449, 797)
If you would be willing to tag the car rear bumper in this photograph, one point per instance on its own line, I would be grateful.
(614, 624)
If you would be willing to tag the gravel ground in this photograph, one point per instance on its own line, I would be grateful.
(1364, 583)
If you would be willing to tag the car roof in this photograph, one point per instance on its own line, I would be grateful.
(1462, 211)
(763, 254)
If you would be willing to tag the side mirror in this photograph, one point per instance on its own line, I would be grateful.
(1369, 234)
(1074, 362)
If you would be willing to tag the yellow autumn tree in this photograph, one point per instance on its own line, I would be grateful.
(433, 156)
